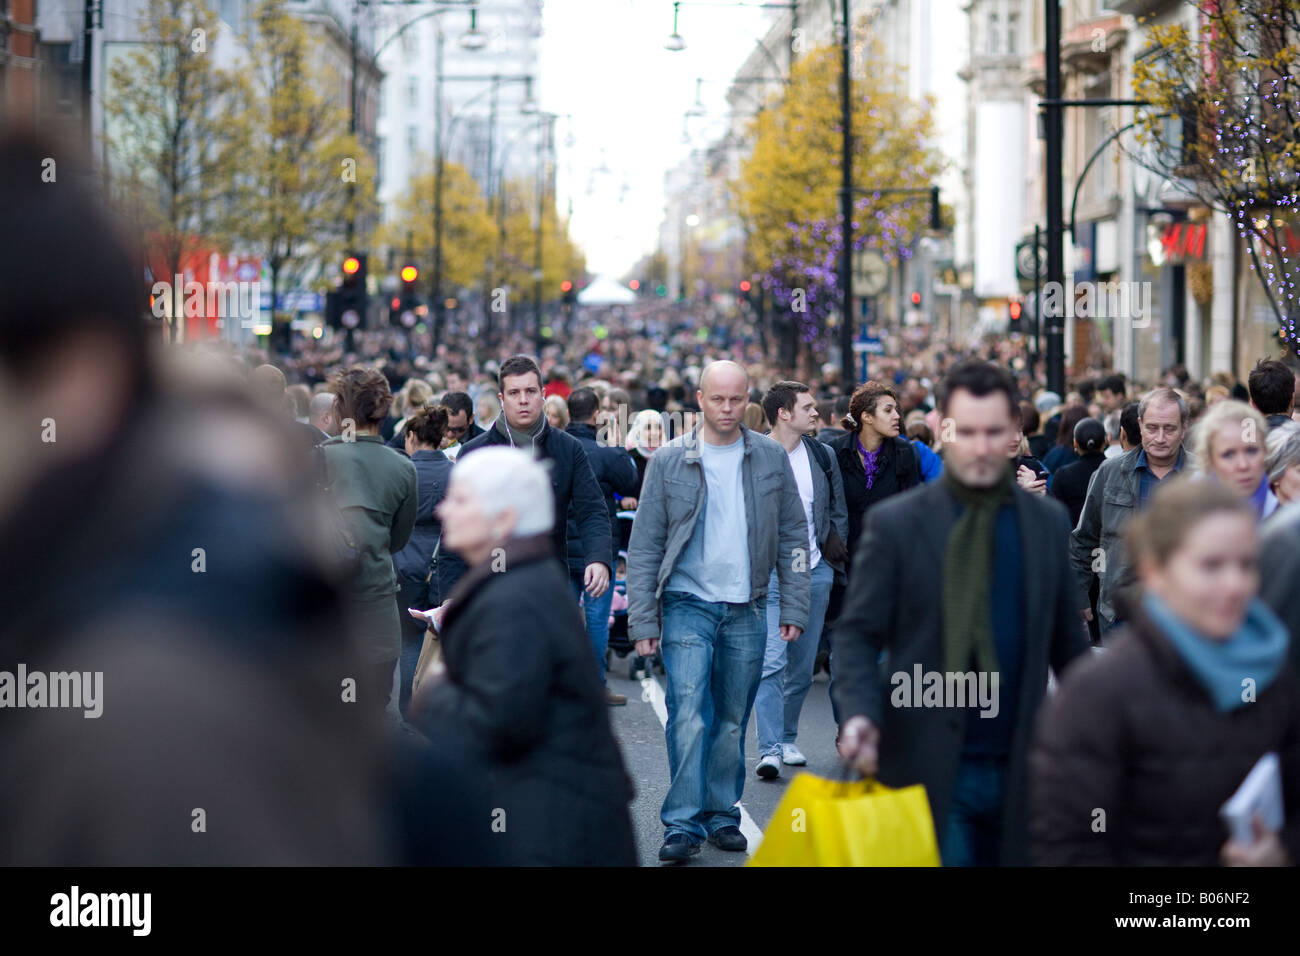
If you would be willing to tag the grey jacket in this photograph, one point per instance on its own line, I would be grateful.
(673, 498)
(1096, 544)
(829, 507)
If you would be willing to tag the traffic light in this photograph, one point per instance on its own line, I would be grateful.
(404, 307)
(916, 298)
(634, 285)
(1015, 312)
(570, 296)
(349, 307)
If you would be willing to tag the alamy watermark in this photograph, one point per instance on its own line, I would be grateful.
(1101, 300)
(946, 689)
(62, 689)
(222, 300)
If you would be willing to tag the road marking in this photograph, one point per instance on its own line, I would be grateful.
(753, 835)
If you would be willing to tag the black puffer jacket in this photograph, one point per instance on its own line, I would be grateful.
(1133, 735)
(522, 690)
(897, 469)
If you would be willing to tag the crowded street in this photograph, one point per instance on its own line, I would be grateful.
(497, 436)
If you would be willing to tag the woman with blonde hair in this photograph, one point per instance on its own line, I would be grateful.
(1229, 445)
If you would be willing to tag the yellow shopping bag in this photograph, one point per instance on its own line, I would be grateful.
(823, 822)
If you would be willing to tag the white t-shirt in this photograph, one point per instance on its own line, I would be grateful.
(804, 479)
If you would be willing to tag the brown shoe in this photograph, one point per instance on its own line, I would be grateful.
(613, 699)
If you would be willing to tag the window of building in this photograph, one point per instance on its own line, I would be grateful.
(413, 91)
(1013, 31)
(994, 33)
(412, 139)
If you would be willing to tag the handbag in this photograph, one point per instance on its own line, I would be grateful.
(822, 822)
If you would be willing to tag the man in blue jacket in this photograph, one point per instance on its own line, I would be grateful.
(616, 474)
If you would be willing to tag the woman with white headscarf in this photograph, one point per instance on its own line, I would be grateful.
(519, 682)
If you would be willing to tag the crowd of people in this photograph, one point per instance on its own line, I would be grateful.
(392, 571)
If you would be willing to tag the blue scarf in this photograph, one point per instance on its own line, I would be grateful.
(1256, 651)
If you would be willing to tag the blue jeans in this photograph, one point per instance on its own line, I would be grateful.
(788, 668)
(973, 834)
(596, 611)
(713, 658)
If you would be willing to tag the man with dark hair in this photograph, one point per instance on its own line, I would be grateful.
(1111, 390)
(831, 429)
(460, 418)
(521, 424)
(1130, 432)
(1272, 391)
(969, 573)
(788, 666)
(616, 474)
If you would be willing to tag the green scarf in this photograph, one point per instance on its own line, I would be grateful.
(967, 571)
(517, 438)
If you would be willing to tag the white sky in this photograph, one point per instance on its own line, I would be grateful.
(604, 61)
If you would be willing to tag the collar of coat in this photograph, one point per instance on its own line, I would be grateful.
(513, 553)
(690, 442)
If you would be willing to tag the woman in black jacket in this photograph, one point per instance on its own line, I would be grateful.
(423, 433)
(519, 684)
(1143, 744)
(875, 462)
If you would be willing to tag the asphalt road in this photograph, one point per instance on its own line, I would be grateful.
(641, 736)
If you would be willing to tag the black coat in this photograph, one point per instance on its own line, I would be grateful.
(897, 469)
(522, 688)
(616, 474)
(1070, 484)
(574, 484)
(1132, 732)
(897, 606)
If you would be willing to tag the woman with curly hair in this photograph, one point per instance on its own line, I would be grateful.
(374, 488)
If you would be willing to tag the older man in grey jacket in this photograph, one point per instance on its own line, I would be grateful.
(719, 510)
(1119, 489)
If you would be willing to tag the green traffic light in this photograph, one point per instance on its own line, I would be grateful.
(661, 290)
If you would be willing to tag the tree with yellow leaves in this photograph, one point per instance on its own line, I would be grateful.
(303, 177)
(1223, 122)
(787, 192)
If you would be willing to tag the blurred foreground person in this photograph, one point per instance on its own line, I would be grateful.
(1158, 732)
(172, 682)
(967, 588)
(518, 682)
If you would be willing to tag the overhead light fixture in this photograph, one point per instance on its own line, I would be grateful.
(675, 42)
(473, 38)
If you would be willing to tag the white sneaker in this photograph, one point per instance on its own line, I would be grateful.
(792, 757)
(769, 768)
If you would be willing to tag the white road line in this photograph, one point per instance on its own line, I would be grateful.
(656, 696)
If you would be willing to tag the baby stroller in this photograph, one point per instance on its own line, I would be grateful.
(620, 644)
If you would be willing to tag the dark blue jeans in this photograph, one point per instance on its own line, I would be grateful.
(713, 658)
(596, 613)
(973, 836)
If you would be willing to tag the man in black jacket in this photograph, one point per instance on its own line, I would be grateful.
(969, 591)
(521, 424)
(616, 474)
(1272, 391)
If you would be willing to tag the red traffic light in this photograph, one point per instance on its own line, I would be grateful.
(634, 285)
(1015, 311)
(744, 285)
(351, 265)
(916, 298)
(409, 273)
(396, 303)
(566, 286)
